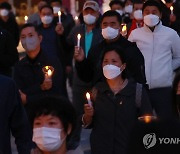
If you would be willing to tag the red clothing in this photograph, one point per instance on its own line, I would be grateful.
(134, 26)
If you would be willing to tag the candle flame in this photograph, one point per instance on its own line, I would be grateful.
(87, 95)
(147, 119)
(171, 8)
(76, 17)
(124, 28)
(59, 13)
(26, 18)
(79, 36)
(47, 67)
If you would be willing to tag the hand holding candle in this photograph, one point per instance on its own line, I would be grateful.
(59, 15)
(88, 99)
(78, 40)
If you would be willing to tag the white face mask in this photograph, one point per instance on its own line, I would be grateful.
(4, 12)
(48, 139)
(110, 33)
(128, 9)
(30, 43)
(56, 9)
(111, 71)
(138, 15)
(46, 19)
(120, 12)
(151, 20)
(89, 19)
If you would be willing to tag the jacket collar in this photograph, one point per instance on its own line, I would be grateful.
(128, 90)
(156, 29)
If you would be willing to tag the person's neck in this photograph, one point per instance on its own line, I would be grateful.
(89, 28)
(33, 54)
(46, 25)
(116, 84)
(61, 150)
(139, 21)
(113, 40)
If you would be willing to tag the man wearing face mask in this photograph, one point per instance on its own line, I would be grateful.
(161, 50)
(137, 21)
(89, 69)
(28, 73)
(52, 38)
(90, 36)
(117, 6)
(8, 22)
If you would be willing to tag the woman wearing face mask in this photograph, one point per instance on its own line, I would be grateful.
(176, 95)
(114, 110)
(53, 120)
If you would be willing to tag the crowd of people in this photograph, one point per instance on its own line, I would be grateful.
(127, 58)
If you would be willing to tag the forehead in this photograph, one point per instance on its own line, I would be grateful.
(46, 10)
(89, 10)
(111, 54)
(45, 118)
(139, 6)
(151, 9)
(28, 30)
(55, 4)
(110, 19)
(114, 6)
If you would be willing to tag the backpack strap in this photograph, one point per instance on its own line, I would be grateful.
(138, 95)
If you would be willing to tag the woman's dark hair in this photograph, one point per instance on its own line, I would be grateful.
(120, 52)
(174, 91)
(112, 13)
(46, 6)
(55, 106)
(152, 3)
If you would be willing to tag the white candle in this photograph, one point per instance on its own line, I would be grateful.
(26, 18)
(59, 15)
(48, 72)
(78, 40)
(124, 29)
(88, 99)
(171, 8)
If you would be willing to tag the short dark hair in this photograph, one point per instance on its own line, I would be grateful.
(152, 3)
(30, 25)
(46, 6)
(111, 13)
(5, 5)
(55, 106)
(115, 2)
(120, 51)
(60, 2)
(138, 2)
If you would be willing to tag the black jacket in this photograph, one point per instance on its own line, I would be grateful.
(114, 117)
(8, 52)
(90, 69)
(13, 118)
(29, 76)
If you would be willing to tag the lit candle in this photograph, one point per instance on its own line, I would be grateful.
(48, 72)
(88, 99)
(78, 40)
(147, 118)
(124, 30)
(76, 19)
(171, 8)
(59, 15)
(26, 18)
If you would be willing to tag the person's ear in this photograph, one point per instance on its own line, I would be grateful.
(40, 38)
(123, 66)
(69, 130)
